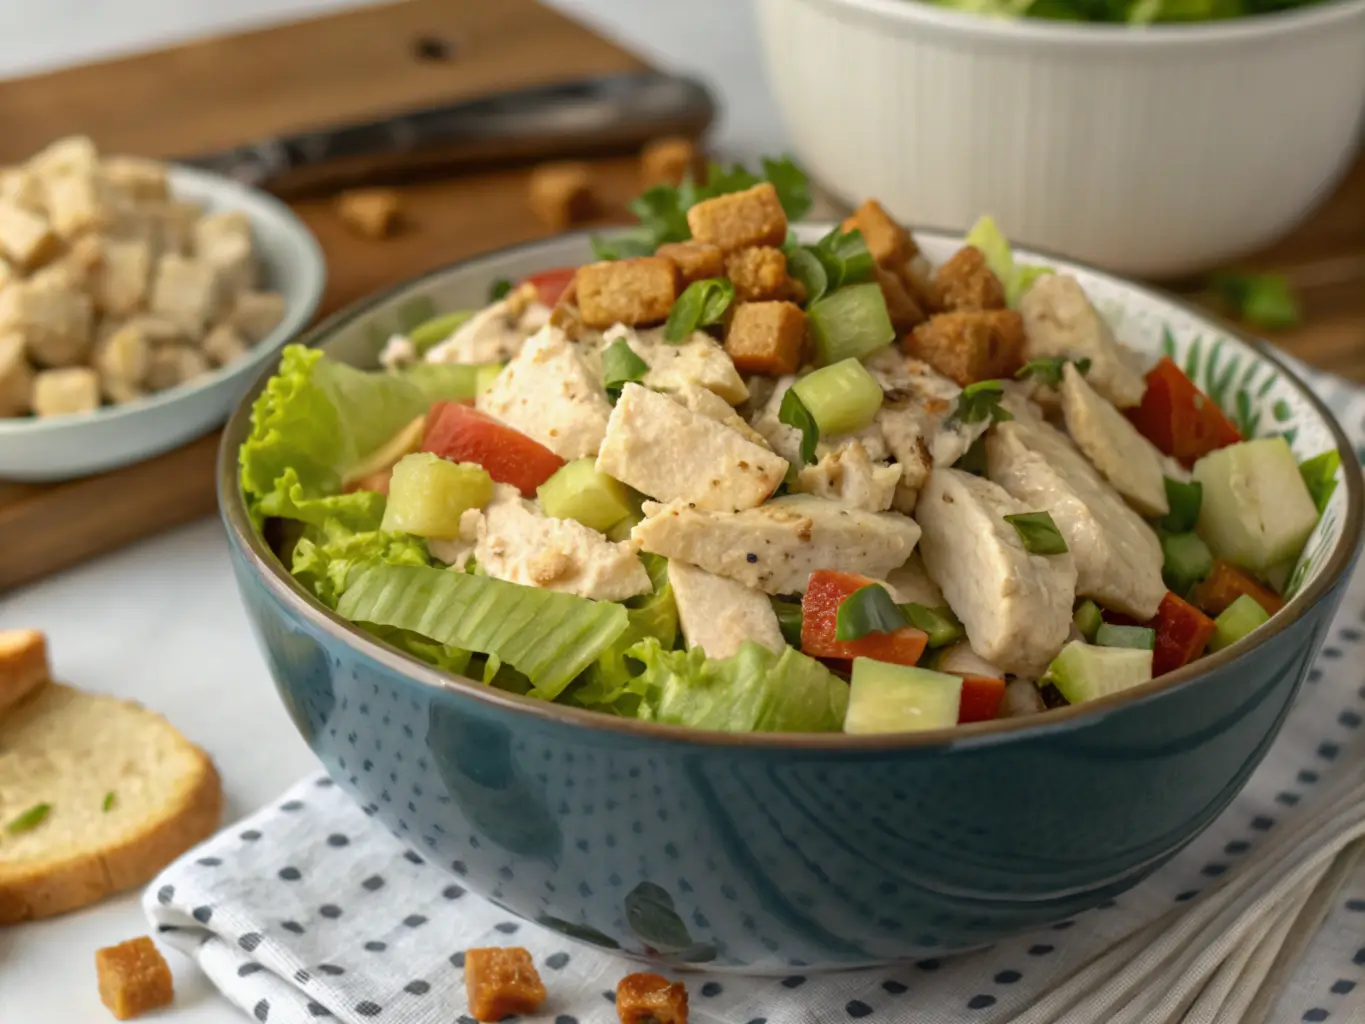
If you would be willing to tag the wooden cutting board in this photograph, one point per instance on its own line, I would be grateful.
(210, 94)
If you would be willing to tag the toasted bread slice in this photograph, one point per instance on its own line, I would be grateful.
(125, 794)
(23, 665)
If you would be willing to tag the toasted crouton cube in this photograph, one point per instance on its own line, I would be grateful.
(121, 282)
(666, 161)
(63, 392)
(638, 291)
(186, 291)
(26, 237)
(173, 225)
(370, 212)
(16, 376)
(125, 355)
(224, 345)
(73, 154)
(21, 186)
(77, 201)
(561, 193)
(256, 314)
(965, 284)
(970, 347)
(158, 330)
(500, 982)
(214, 229)
(887, 241)
(171, 365)
(7, 273)
(133, 978)
(57, 322)
(234, 261)
(901, 306)
(136, 180)
(758, 274)
(766, 337)
(651, 999)
(696, 261)
(740, 219)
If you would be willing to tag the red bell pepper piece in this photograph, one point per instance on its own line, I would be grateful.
(1180, 419)
(1226, 583)
(1182, 632)
(462, 434)
(825, 592)
(981, 696)
(551, 284)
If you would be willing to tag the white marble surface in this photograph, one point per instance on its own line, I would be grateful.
(160, 621)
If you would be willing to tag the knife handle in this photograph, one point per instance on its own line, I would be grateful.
(587, 115)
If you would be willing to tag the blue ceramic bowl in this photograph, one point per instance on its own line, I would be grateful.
(764, 853)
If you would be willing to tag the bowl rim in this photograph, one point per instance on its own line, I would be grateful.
(270, 571)
(313, 268)
(1264, 28)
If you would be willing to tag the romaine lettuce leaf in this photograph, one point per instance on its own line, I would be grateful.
(327, 553)
(752, 691)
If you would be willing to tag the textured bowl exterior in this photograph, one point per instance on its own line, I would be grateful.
(773, 854)
(1152, 152)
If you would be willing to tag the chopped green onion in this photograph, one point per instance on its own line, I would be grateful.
(1038, 532)
(437, 329)
(29, 820)
(1087, 619)
(1048, 369)
(792, 185)
(803, 265)
(1186, 561)
(869, 609)
(499, 289)
(793, 413)
(789, 620)
(979, 402)
(974, 461)
(941, 624)
(701, 304)
(1139, 638)
(1265, 300)
(108, 802)
(843, 397)
(1185, 500)
(845, 258)
(850, 323)
(1238, 619)
(621, 366)
(1320, 475)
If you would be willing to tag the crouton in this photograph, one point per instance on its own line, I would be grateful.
(759, 274)
(66, 391)
(666, 161)
(77, 201)
(75, 154)
(740, 219)
(157, 329)
(561, 193)
(123, 277)
(696, 261)
(651, 999)
(21, 186)
(634, 292)
(966, 284)
(172, 365)
(186, 291)
(174, 225)
(970, 347)
(23, 665)
(371, 212)
(499, 982)
(901, 306)
(766, 337)
(56, 321)
(133, 978)
(124, 356)
(135, 180)
(889, 244)
(256, 314)
(83, 260)
(7, 273)
(26, 237)
(224, 345)
(16, 376)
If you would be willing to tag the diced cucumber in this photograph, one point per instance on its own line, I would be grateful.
(1256, 509)
(621, 531)
(578, 491)
(1238, 619)
(1087, 619)
(1139, 638)
(843, 397)
(1084, 672)
(850, 323)
(428, 494)
(484, 376)
(899, 698)
(939, 623)
(1187, 560)
(436, 330)
(406, 441)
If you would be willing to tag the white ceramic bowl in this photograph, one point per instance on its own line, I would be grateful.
(64, 447)
(1149, 151)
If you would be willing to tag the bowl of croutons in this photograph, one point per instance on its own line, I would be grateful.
(137, 299)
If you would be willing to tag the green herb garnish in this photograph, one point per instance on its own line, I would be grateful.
(804, 266)
(974, 461)
(793, 413)
(499, 289)
(1137, 637)
(702, 304)
(1320, 475)
(1038, 533)
(789, 620)
(1048, 369)
(940, 624)
(621, 366)
(869, 609)
(1265, 300)
(29, 820)
(1184, 500)
(844, 257)
(980, 402)
(108, 802)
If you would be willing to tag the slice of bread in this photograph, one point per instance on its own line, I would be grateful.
(125, 795)
(23, 665)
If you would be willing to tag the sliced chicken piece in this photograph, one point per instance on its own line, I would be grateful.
(850, 478)
(913, 585)
(1127, 460)
(718, 614)
(697, 359)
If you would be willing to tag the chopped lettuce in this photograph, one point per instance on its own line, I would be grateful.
(752, 691)
(547, 636)
(326, 554)
(1016, 277)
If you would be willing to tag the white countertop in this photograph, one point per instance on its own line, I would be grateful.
(160, 621)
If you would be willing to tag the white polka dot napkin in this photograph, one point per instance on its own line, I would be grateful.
(310, 909)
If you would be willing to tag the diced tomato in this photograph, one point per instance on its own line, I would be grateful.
(981, 696)
(826, 591)
(1179, 418)
(1182, 633)
(551, 284)
(462, 434)
(1226, 583)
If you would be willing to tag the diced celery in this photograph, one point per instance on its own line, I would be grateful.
(1087, 619)
(428, 494)
(578, 491)
(899, 698)
(940, 624)
(406, 441)
(850, 323)
(843, 397)
(1238, 619)
(1187, 560)
(437, 329)
(1084, 672)
(1256, 509)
